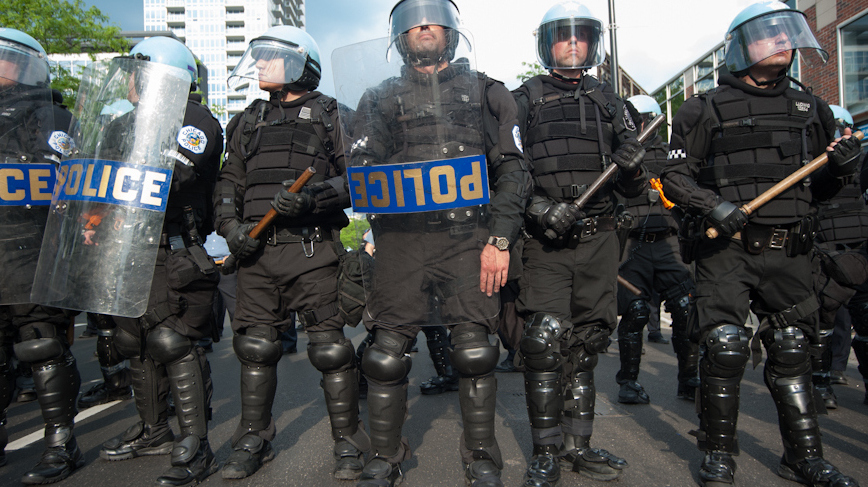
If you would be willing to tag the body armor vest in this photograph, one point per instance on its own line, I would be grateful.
(421, 125)
(280, 145)
(844, 218)
(648, 211)
(569, 140)
(756, 142)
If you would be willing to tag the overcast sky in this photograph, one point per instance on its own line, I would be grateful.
(656, 38)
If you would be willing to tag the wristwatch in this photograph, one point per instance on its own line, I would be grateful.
(502, 243)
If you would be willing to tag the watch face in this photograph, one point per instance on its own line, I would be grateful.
(500, 242)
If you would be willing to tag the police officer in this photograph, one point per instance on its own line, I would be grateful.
(420, 277)
(727, 147)
(840, 270)
(294, 266)
(161, 344)
(573, 127)
(652, 263)
(33, 130)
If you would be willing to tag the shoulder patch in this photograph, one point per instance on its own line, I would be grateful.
(677, 154)
(628, 120)
(61, 142)
(516, 135)
(192, 139)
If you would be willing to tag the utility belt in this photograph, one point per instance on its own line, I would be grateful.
(794, 239)
(307, 236)
(581, 230)
(651, 237)
(459, 222)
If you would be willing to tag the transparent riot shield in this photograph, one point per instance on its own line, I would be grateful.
(27, 175)
(107, 209)
(417, 171)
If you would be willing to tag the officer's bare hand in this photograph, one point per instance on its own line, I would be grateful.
(495, 267)
(844, 153)
(292, 205)
(90, 237)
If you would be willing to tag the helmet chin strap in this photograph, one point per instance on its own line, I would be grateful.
(774, 81)
(561, 77)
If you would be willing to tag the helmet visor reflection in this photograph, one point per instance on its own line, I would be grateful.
(414, 13)
(268, 61)
(20, 64)
(579, 43)
(764, 36)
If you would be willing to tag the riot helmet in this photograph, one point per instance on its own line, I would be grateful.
(765, 29)
(284, 55)
(646, 106)
(22, 60)
(842, 116)
(564, 22)
(408, 14)
(165, 50)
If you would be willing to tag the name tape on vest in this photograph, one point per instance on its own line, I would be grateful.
(414, 187)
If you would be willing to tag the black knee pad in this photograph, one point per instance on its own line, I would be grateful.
(127, 344)
(167, 346)
(727, 350)
(788, 351)
(584, 359)
(329, 351)
(472, 354)
(387, 360)
(635, 318)
(679, 309)
(39, 350)
(540, 343)
(259, 345)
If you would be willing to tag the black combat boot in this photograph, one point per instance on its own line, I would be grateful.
(542, 471)
(823, 384)
(59, 459)
(380, 473)
(447, 378)
(632, 392)
(192, 462)
(815, 472)
(594, 463)
(717, 470)
(139, 440)
(483, 473)
(249, 454)
(105, 392)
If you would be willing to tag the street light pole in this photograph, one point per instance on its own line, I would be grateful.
(613, 65)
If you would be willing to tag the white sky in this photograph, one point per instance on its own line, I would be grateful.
(656, 38)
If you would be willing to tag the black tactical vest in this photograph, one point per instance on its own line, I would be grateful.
(648, 210)
(279, 145)
(844, 218)
(420, 126)
(756, 142)
(569, 139)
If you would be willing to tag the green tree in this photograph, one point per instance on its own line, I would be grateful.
(64, 27)
(351, 235)
(533, 69)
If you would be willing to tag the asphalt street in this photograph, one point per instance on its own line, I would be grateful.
(654, 438)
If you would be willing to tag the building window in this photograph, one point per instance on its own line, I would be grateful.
(854, 67)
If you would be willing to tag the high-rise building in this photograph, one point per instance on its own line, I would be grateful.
(218, 32)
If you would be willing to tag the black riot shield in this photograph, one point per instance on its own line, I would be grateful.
(107, 210)
(418, 174)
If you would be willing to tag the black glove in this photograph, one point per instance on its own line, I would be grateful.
(844, 159)
(629, 156)
(238, 241)
(292, 205)
(560, 217)
(727, 219)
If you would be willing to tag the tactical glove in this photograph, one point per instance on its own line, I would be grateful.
(239, 242)
(292, 205)
(629, 156)
(727, 219)
(844, 159)
(557, 217)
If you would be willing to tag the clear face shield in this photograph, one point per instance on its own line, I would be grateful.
(570, 44)
(22, 65)
(268, 61)
(765, 36)
(407, 15)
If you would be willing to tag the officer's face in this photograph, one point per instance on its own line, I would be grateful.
(427, 39)
(270, 71)
(774, 51)
(571, 47)
(132, 93)
(8, 73)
